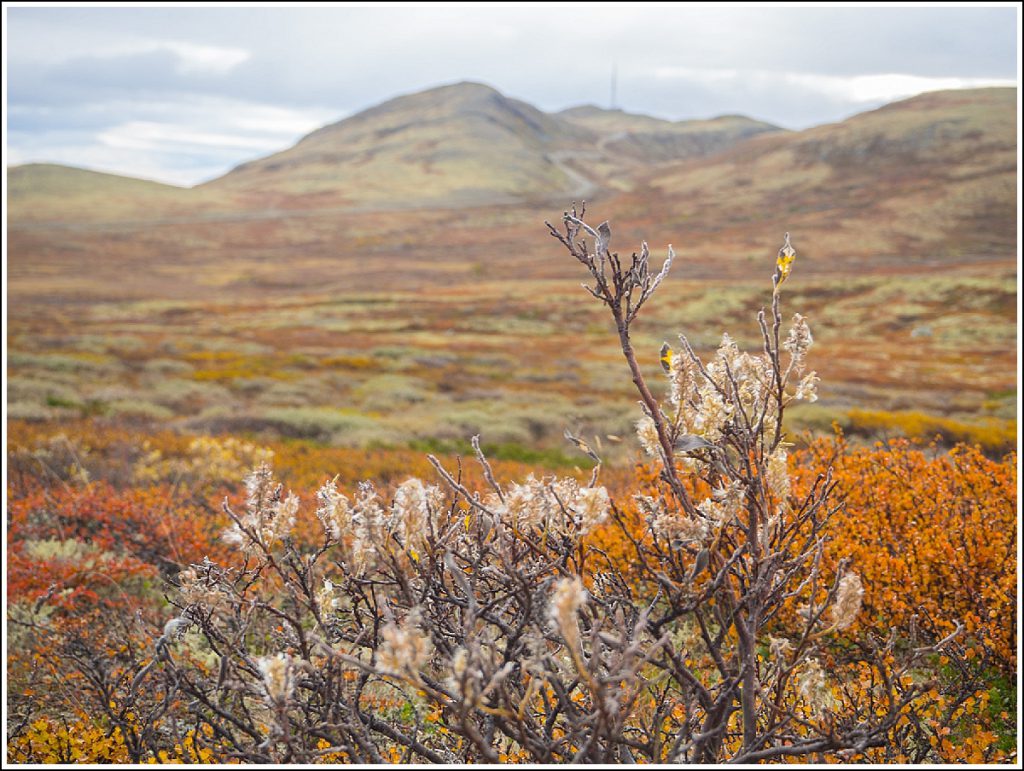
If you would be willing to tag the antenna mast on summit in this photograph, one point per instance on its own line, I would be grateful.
(615, 75)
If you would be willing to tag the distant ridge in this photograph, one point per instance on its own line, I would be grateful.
(934, 172)
(467, 145)
(455, 144)
(46, 191)
(466, 142)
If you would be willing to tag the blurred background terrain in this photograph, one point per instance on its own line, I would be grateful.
(389, 281)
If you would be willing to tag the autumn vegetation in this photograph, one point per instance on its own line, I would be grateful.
(738, 593)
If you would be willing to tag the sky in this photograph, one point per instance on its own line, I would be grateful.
(183, 94)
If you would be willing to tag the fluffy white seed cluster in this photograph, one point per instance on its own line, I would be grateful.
(537, 502)
(590, 508)
(713, 412)
(706, 401)
(807, 388)
(647, 433)
(682, 378)
(567, 598)
(413, 506)
(333, 511)
(671, 525)
(201, 589)
(326, 599)
(371, 523)
(798, 342)
(466, 678)
(725, 504)
(268, 517)
(279, 674)
(849, 599)
(476, 671)
(404, 649)
(740, 379)
(369, 526)
(777, 475)
(812, 685)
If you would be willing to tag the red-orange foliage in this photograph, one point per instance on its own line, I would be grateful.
(932, 534)
(130, 533)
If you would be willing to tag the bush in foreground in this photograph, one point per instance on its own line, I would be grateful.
(450, 624)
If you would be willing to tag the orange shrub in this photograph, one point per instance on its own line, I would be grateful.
(93, 536)
(930, 534)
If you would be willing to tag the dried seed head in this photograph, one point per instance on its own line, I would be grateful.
(326, 599)
(278, 678)
(411, 510)
(777, 475)
(849, 598)
(725, 503)
(525, 503)
(798, 342)
(333, 511)
(404, 649)
(647, 433)
(368, 526)
(268, 518)
(807, 390)
(260, 488)
(566, 600)
(590, 507)
(812, 685)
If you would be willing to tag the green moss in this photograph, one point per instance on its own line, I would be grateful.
(550, 458)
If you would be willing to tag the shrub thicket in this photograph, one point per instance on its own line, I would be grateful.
(731, 606)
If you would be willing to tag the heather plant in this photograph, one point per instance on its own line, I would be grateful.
(441, 621)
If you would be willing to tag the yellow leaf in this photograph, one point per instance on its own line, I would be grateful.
(666, 358)
(784, 263)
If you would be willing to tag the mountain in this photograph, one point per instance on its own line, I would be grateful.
(458, 145)
(606, 121)
(653, 140)
(931, 175)
(467, 144)
(454, 145)
(925, 178)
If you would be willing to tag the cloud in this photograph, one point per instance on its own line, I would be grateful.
(182, 140)
(188, 58)
(203, 58)
(161, 137)
(885, 88)
(853, 92)
(226, 78)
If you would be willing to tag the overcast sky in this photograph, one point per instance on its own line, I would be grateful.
(184, 94)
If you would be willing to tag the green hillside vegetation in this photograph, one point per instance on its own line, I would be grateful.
(45, 192)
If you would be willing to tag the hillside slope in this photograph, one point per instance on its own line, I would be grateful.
(38, 192)
(934, 175)
(455, 145)
(646, 139)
